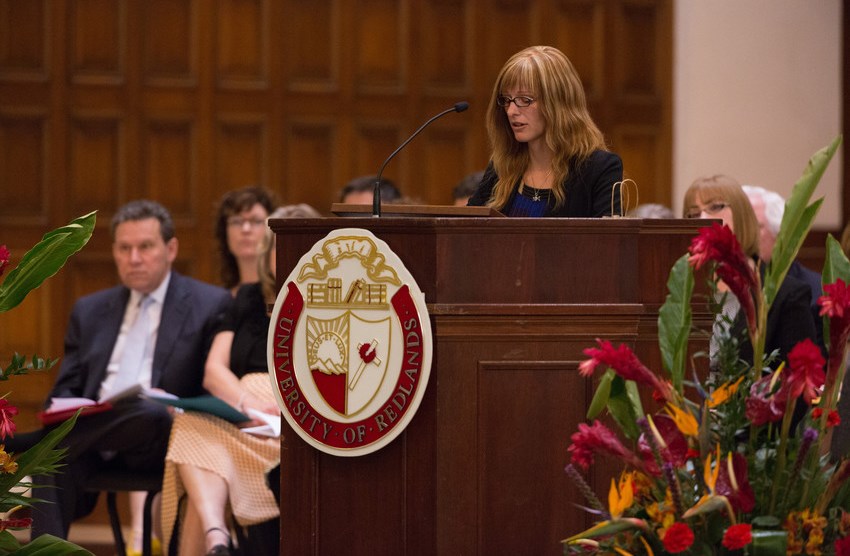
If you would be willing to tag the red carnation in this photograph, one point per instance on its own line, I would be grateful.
(678, 538)
(738, 536)
(4, 258)
(842, 547)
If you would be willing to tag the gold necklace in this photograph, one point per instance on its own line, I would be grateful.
(536, 196)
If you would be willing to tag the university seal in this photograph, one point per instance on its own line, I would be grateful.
(349, 345)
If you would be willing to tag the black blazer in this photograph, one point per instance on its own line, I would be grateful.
(191, 313)
(789, 321)
(588, 187)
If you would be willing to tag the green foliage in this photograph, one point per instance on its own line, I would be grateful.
(674, 321)
(797, 220)
(44, 260)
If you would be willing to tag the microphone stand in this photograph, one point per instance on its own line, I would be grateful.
(376, 194)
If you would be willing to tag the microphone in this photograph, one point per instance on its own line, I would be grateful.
(376, 195)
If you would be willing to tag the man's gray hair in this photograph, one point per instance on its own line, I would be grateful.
(142, 210)
(774, 205)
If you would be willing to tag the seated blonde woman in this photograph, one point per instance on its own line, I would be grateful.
(212, 467)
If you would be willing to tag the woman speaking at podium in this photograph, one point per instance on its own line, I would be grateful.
(548, 157)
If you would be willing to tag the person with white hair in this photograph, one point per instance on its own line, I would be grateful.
(769, 207)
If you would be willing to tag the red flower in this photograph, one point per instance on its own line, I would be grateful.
(598, 438)
(718, 244)
(835, 304)
(842, 547)
(624, 362)
(738, 536)
(4, 258)
(806, 375)
(732, 482)
(832, 420)
(7, 412)
(678, 538)
(16, 523)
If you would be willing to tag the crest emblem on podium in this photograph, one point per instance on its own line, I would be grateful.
(349, 345)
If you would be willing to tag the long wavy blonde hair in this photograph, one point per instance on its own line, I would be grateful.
(570, 131)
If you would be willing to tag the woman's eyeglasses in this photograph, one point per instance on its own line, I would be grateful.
(239, 222)
(521, 102)
(710, 209)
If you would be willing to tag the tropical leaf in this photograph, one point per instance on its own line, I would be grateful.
(45, 259)
(674, 321)
(797, 219)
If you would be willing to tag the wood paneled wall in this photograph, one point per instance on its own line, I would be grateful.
(104, 101)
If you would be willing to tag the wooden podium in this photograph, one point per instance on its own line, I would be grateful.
(480, 469)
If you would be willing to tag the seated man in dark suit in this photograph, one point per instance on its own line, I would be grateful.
(154, 329)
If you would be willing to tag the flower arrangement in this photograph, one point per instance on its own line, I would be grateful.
(729, 465)
(38, 264)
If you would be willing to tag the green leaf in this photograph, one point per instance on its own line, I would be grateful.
(600, 397)
(41, 458)
(674, 321)
(625, 407)
(46, 545)
(797, 219)
(44, 260)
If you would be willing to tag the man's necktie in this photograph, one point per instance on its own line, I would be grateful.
(135, 347)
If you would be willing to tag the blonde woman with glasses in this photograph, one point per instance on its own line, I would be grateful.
(548, 156)
(789, 320)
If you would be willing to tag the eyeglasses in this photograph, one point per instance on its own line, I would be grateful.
(710, 209)
(521, 102)
(239, 221)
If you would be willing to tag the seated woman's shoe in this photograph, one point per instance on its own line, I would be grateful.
(220, 549)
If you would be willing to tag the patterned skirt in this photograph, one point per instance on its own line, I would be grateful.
(241, 459)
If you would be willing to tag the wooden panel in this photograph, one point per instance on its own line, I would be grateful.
(23, 167)
(241, 153)
(373, 143)
(579, 28)
(168, 165)
(95, 177)
(517, 475)
(637, 71)
(98, 41)
(440, 150)
(312, 144)
(24, 30)
(445, 55)
(638, 145)
(242, 44)
(380, 59)
(312, 60)
(169, 38)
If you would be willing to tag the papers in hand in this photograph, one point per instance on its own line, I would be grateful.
(63, 408)
(271, 428)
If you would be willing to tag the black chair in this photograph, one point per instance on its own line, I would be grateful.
(113, 480)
